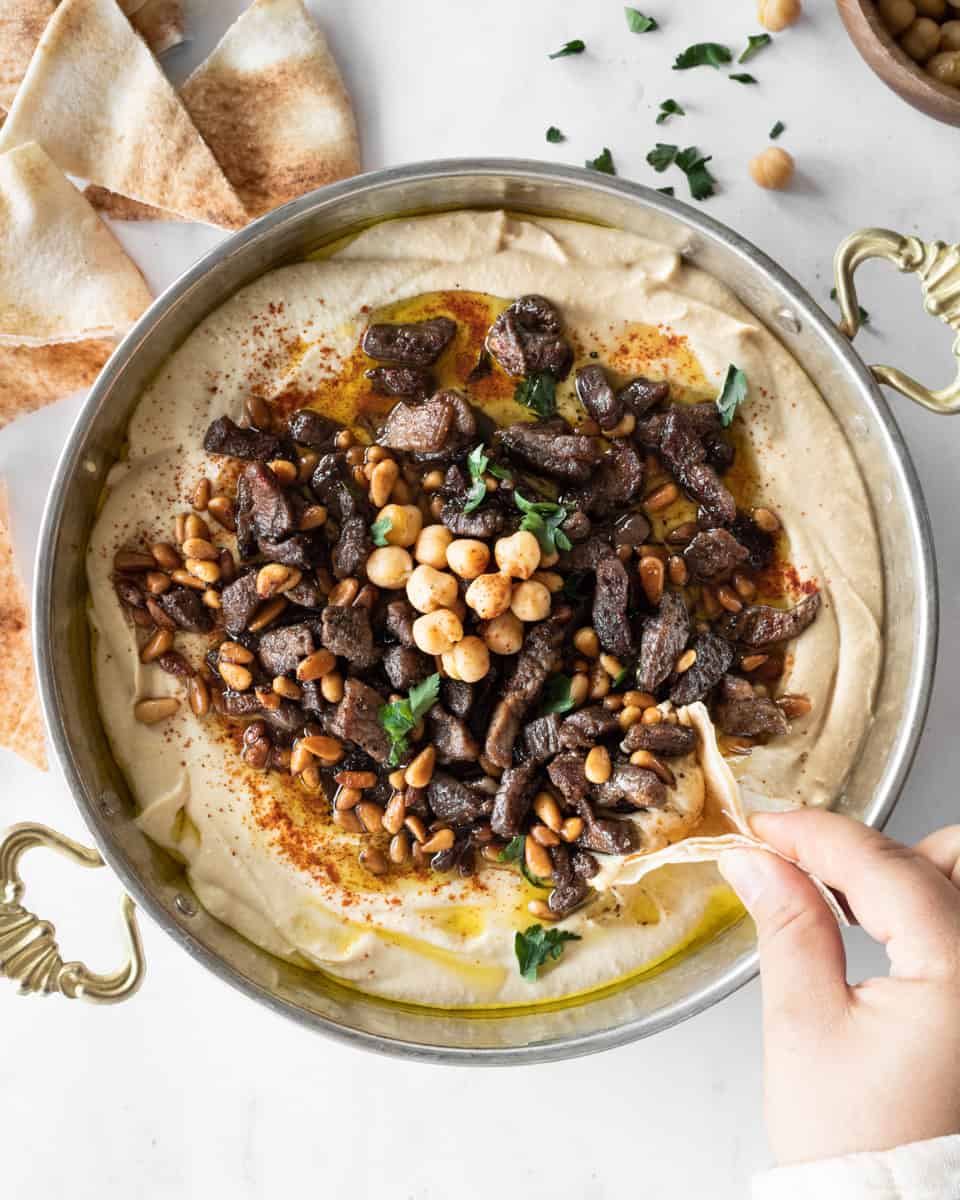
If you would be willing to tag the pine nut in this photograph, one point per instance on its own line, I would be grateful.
(587, 642)
(347, 820)
(399, 847)
(729, 599)
(195, 527)
(613, 702)
(395, 813)
(348, 797)
(541, 909)
(752, 661)
(285, 471)
(236, 677)
(315, 666)
(149, 712)
(629, 716)
(677, 570)
(685, 661)
(275, 577)
(268, 699)
(443, 839)
(327, 749)
(258, 412)
(331, 687)
(571, 829)
(200, 548)
(185, 579)
(233, 652)
(306, 465)
(313, 517)
(133, 560)
(650, 762)
(201, 494)
(651, 578)
(345, 592)
(199, 696)
(661, 497)
(419, 773)
(599, 682)
(156, 615)
(597, 766)
(548, 811)
(300, 758)
(157, 583)
(613, 666)
(538, 860)
(768, 521)
(623, 428)
(166, 556)
(396, 780)
(545, 836)
(209, 572)
(711, 605)
(310, 777)
(160, 643)
(651, 716)
(416, 827)
(679, 535)
(579, 688)
(745, 588)
(222, 510)
(180, 528)
(639, 699)
(356, 779)
(267, 613)
(794, 706)
(382, 479)
(370, 814)
(287, 688)
(344, 439)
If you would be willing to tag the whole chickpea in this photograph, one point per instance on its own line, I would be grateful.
(437, 632)
(950, 35)
(778, 14)
(389, 567)
(468, 557)
(530, 601)
(405, 522)
(489, 595)
(772, 169)
(429, 589)
(471, 658)
(449, 664)
(897, 15)
(431, 546)
(922, 39)
(504, 634)
(518, 555)
(945, 67)
(932, 8)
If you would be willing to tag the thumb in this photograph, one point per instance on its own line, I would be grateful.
(802, 961)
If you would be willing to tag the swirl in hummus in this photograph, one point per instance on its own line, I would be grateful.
(655, 611)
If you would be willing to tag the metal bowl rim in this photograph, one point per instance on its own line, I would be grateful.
(917, 702)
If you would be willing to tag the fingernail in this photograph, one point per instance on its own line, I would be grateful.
(747, 873)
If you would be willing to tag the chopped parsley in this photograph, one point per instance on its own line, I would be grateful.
(755, 43)
(694, 165)
(575, 47)
(379, 530)
(864, 315)
(603, 162)
(732, 394)
(703, 54)
(777, 130)
(662, 156)
(479, 465)
(743, 77)
(543, 519)
(638, 23)
(403, 716)
(538, 392)
(667, 191)
(555, 135)
(512, 851)
(556, 695)
(536, 946)
(669, 108)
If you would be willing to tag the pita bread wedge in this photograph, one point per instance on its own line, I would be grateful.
(160, 23)
(21, 24)
(272, 106)
(32, 377)
(97, 101)
(122, 208)
(63, 275)
(21, 727)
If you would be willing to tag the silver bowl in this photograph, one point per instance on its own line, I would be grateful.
(662, 998)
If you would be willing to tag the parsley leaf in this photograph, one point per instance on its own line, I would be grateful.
(755, 43)
(667, 191)
(555, 135)
(513, 850)
(638, 23)
(732, 394)
(669, 108)
(777, 130)
(556, 695)
(543, 519)
(603, 162)
(379, 530)
(575, 47)
(403, 716)
(864, 315)
(743, 78)
(694, 165)
(477, 463)
(535, 946)
(538, 392)
(703, 54)
(661, 156)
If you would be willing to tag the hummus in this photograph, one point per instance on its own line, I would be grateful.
(256, 856)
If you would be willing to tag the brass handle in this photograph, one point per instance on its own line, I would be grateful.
(29, 952)
(938, 268)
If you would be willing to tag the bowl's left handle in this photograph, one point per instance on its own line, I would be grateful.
(29, 953)
(938, 267)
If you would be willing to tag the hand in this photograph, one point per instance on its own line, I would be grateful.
(873, 1066)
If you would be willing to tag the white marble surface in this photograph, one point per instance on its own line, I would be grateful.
(192, 1090)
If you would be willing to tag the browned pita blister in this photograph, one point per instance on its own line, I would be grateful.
(96, 99)
(21, 727)
(32, 377)
(122, 208)
(272, 106)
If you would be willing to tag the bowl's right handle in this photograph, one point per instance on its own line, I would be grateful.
(938, 267)
(29, 953)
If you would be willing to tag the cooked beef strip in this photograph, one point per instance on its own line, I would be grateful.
(642, 394)
(611, 599)
(416, 344)
(287, 717)
(346, 632)
(184, 606)
(568, 776)
(607, 836)
(272, 511)
(758, 625)
(662, 641)
(618, 481)
(240, 704)
(353, 548)
(454, 802)
(541, 738)
(577, 526)
(551, 447)
(450, 737)
(588, 726)
(305, 594)
(569, 889)
(399, 620)
(513, 799)
(527, 337)
(128, 592)
(226, 437)
(633, 785)
(538, 659)
(732, 687)
(682, 450)
(281, 649)
(714, 658)
(586, 556)
(303, 550)
(461, 436)
(311, 428)
(759, 544)
(356, 719)
(585, 866)
(414, 382)
(748, 718)
(457, 696)
(713, 553)
(598, 397)
(483, 523)
(406, 666)
(632, 529)
(420, 428)
(663, 739)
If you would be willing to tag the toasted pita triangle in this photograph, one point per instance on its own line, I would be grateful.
(21, 728)
(160, 23)
(97, 101)
(272, 106)
(63, 275)
(21, 24)
(122, 208)
(32, 377)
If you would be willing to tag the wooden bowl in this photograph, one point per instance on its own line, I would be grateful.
(896, 68)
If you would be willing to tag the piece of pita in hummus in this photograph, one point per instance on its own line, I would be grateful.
(96, 99)
(271, 104)
(21, 729)
(63, 275)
